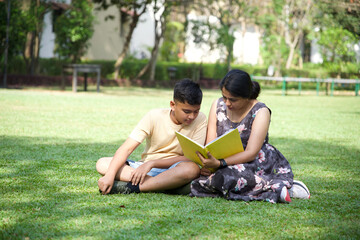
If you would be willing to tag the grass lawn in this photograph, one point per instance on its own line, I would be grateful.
(51, 140)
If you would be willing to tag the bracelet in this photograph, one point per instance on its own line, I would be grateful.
(223, 163)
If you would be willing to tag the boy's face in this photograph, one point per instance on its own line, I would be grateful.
(183, 113)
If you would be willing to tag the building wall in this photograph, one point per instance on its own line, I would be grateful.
(246, 48)
(107, 40)
(47, 43)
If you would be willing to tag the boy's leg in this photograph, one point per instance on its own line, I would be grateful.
(175, 177)
(123, 174)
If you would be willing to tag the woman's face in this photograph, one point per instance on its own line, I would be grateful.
(233, 103)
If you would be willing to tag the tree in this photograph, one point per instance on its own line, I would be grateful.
(73, 30)
(12, 33)
(296, 19)
(129, 11)
(342, 13)
(34, 12)
(221, 33)
(173, 42)
(160, 11)
(337, 32)
(273, 48)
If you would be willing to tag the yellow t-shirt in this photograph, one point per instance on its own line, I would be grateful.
(159, 131)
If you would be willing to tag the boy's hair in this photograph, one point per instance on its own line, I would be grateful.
(187, 91)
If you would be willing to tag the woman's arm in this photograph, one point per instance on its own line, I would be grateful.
(211, 128)
(258, 134)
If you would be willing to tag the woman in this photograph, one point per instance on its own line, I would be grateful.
(261, 172)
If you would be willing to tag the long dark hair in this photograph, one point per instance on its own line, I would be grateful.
(239, 84)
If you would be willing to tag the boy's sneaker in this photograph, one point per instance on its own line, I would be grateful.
(119, 187)
(299, 190)
(284, 195)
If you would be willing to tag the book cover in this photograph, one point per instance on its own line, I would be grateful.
(222, 147)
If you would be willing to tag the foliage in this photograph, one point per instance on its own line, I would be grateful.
(26, 21)
(219, 34)
(18, 27)
(341, 13)
(130, 12)
(171, 46)
(50, 142)
(337, 45)
(73, 30)
(196, 71)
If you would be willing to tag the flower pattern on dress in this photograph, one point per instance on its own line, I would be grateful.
(269, 147)
(261, 156)
(259, 172)
(221, 117)
(283, 170)
(254, 115)
(239, 167)
(258, 185)
(222, 106)
(287, 184)
(241, 183)
(275, 186)
(241, 128)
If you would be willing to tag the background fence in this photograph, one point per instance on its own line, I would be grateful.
(317, 81)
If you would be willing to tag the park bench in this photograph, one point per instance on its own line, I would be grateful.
(77, 68)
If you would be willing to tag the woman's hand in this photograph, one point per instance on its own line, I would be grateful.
(139, 174)
(210, 162)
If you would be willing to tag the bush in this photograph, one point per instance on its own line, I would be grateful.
(196, 71)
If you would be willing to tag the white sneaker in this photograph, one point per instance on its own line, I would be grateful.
(299, 190)
(284, 195)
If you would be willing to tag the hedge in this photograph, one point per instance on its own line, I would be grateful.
(195, 71)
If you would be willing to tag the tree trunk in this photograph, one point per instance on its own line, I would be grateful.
(243, 32)
(290, 57)
(134, 21)
(155, 51)
(228, 62)
(259, 32)
(32, 46)
(292, 45)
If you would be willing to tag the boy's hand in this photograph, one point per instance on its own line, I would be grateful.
(105, 184)
(139, 174)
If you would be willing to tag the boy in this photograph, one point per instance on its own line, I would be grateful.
(162, 166)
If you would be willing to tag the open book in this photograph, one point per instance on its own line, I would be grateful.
(222, 147)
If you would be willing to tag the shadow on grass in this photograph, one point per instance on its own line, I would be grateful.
(49, 190)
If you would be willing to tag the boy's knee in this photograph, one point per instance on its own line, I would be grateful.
(102, 165)
(190, 170)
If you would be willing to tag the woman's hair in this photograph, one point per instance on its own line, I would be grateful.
(239, 84)
(187, 91)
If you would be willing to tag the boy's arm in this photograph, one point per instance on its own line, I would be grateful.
(139, 174)
(106, 182)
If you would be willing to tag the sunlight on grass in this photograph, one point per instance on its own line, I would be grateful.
(51, 140)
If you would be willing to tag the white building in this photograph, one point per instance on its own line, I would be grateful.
(108, 39)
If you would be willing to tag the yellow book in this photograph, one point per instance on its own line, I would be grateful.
(223, 146)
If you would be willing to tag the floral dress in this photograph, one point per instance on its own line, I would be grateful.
(261, 179)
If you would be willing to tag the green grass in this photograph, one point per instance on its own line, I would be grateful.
(51, 140)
